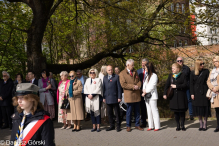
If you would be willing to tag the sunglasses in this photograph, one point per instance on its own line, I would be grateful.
(202, 64)
(71, 76)
(4, 75)
(92, 72)
(179, 61)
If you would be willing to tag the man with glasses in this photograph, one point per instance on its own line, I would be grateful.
(32, 79)
(186, 71)
(6, 87)
(83, 79)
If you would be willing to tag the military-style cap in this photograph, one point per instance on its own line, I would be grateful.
(26, 88)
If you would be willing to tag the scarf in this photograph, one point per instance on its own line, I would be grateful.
(213, 79)
(70, 90)
(176, 75)
(45, 82)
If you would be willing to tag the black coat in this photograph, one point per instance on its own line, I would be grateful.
(199, 88)
(35, 82)
(186, 71)
(6, 92)
(112, 90)
(45, 132)
(179, 100)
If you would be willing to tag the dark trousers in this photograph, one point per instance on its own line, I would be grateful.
(180, 116)
(217, 115)
(83, 98)
(116, 108)
(96, 120)
(130, 107)
(143, 111)
(189, 102)
(1, 118)
(6, 114)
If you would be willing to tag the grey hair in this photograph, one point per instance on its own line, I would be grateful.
(145, 60)
(80, 71)
(180, 57)
(129, 61)
(5, 72)
(64, 73)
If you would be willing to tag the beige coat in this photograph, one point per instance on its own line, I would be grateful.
(210, 86)
(127, 82)
(76, 111)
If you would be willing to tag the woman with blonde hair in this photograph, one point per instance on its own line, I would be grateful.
(101, 75)
(198, 90)
(62, 113)
(213, 85)
(94, 96)
(73, 91)
(178, 101)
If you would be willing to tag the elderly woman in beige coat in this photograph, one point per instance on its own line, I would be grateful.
(73, 91)
(213, 85)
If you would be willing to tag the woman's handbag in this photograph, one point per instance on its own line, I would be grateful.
(170, 89)
(209, 93)
(147, 95)
(65, 103)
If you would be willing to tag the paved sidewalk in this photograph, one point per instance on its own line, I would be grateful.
(167, 136)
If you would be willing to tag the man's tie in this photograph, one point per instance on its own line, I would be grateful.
(31, 81)
(109, 77)
(143, 74)
(131, 73)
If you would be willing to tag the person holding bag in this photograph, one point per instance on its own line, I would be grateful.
(213, 93)
(198, 90)
(73, 91)
(62, 113)
(178, 102)
(150, 87)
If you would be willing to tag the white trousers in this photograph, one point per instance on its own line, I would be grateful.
(153, 114)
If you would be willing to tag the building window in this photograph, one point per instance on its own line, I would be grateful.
(215, 30)
(183, 8)
(177, 7)
(172, 7)
(212, 41)
(131, 50)
(180, 43)
(216, 41)
(186, 43)
(175, 43)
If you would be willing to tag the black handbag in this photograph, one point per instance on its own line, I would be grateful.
(147, 95)
(170, 90)
(65, 104)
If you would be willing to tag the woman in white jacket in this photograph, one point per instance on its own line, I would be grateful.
(150, 86)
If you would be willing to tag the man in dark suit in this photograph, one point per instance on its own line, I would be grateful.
(142, 75)
(112, 95)
(32, 79)
(6, 87)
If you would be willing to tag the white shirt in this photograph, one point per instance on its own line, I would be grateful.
(128, 70)
(33, 80)
(151, 86)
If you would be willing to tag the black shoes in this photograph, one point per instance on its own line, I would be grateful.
(110, 128)
(178, 129)
(73, 130)
(93, 130)
(191, 117)
(183, 129)
(216, 130)
(98, 130)
(143, 125)
(118, 129)
(200, 129)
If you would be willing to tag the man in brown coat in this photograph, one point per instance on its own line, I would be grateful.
(131, 85)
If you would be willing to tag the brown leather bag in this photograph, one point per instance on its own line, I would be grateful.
(170, 89)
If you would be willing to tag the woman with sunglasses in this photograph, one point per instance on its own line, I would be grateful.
(198, 90)
(213, 85)
(73, 91)
(47, 86)
(93, 90)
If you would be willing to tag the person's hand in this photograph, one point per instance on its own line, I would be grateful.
(214, 90)
(136, 87)
(48, 87)
(104, 100)
(193, 97)
(143, 94)
(165, 97)
(1, 98)
(173, 86)
(144, 91)
(119, 100)
(90, 96)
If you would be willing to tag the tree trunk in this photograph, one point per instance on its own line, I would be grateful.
(41, 10)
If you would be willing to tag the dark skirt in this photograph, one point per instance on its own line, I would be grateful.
(178, 110)
(204, 111)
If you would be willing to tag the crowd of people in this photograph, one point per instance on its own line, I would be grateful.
(97, 97)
